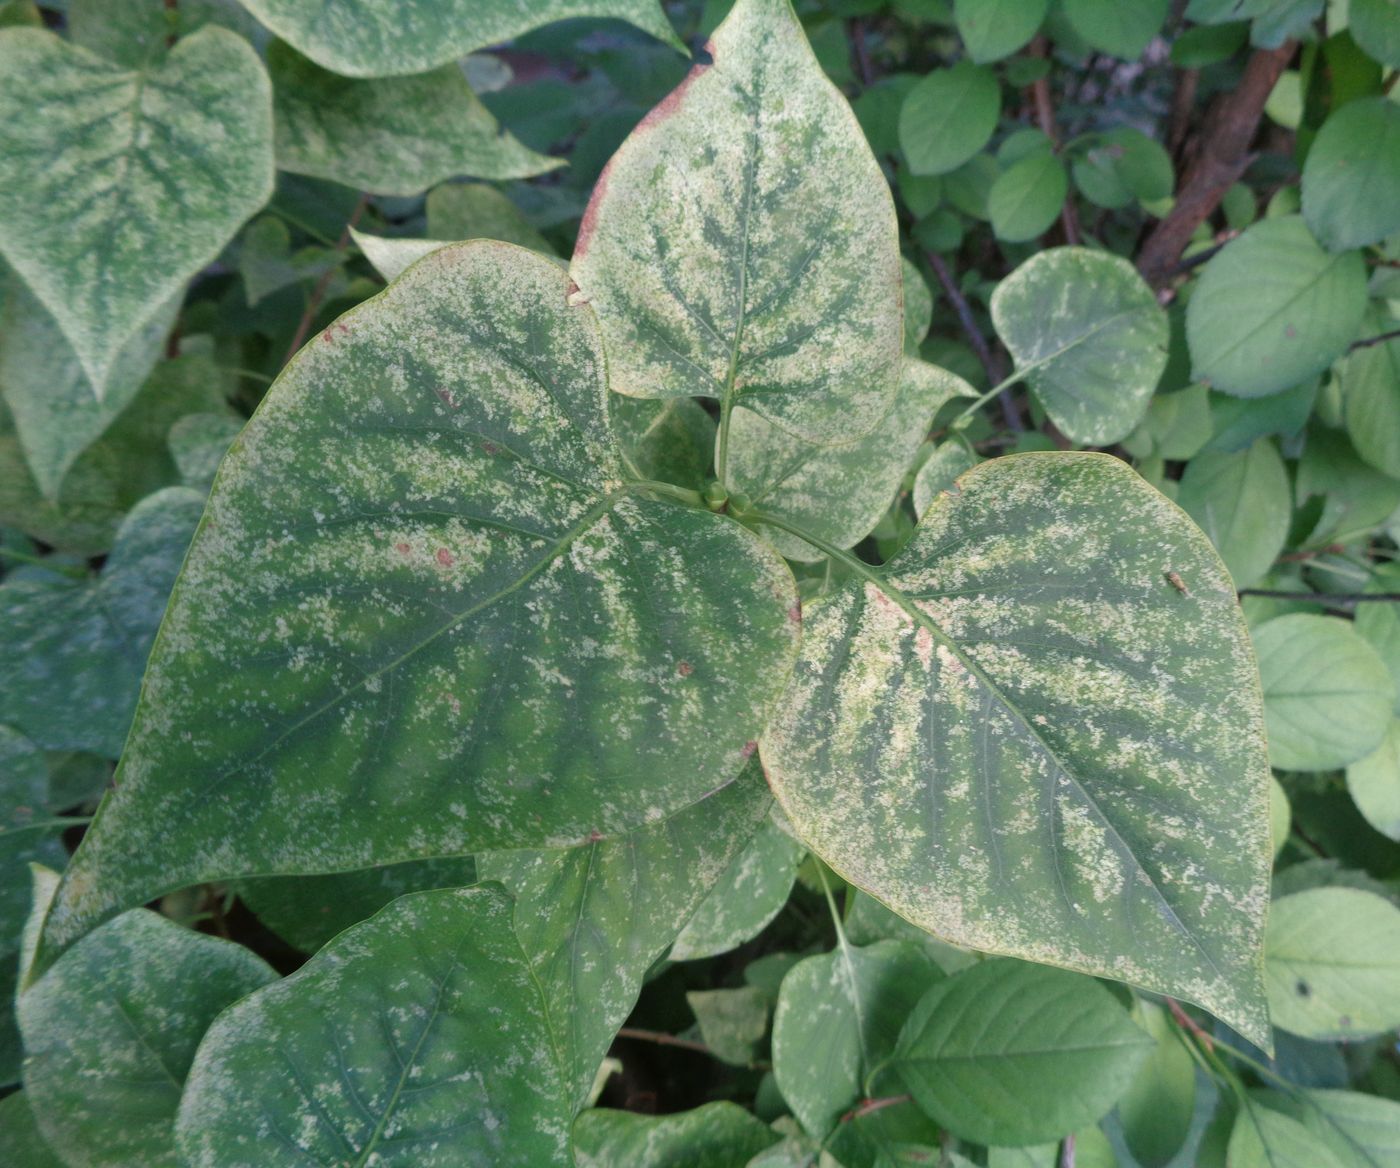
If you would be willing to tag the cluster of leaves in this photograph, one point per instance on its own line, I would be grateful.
(630, 710)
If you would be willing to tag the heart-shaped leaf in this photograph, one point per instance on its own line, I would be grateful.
(117, 185)
(386, 38)
(1038, 731)
(742, 243)
(445, 620)
(418, 1039)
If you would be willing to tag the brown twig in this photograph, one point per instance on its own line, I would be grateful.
(1045, 117)
(1223, 157)
(1067, 1152)
(1186, 1022)
(870, 1106)
(1183, 103)
(860, 52)
(661, 1038)
(313, 303)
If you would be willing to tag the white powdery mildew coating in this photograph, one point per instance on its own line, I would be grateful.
(1062, 757)
(396, 136)
(742, 243)
(111, 1030)
(593, 919)
(381, 38)
(424, 616)
(117, 185)
(1100, 330)
(838, 493)
(418, 1039)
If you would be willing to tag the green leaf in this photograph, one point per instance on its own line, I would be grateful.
(266, 261)
(392, 257)
(1373, 25)
(1089, 336)
(1327, 695)
(1369, 380)
(1374, 783)
(1157, 1109)
(127, 182)
(393, 136)
(1262, 1138)
(381, 1050)
(111, 1030)
(1333, 964)
(940, 472)
(742, 243)
(732, 1022)
(1244, 502)
(837, 1019)
(377, 38)
(21, 1142)
(1195, 48)
(307, 911)
(451, 581)
(997, 29)
(72, 651)
(918, 307)
(1273, 309)
(717, 1135)
(1121, 28)
(948, 117)
(1379, 623)
(1351, 180)
(1280, 816)
(671, 440)
(1238, 421)
(1022, 700)
(1357, 498)
(837, 493)
(477, 211)
(1011, 1053)
(747, 896)
(593, 919)
(1026, 198)
(1362, 1130)
(198, 442)
(57, 412)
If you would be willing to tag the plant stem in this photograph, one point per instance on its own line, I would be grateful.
(870, 1106)
(1323, 597)
(72, 570)
(1367, 342)
(1067, 1152)
(1045, 116)
(680, 494)
(313, 303)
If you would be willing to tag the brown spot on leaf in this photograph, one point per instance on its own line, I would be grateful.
(1290, 332)
(685, 669)
(749, 747)
(402, 548)
(594, 836)
(794, 614)
(445, 397)
(445, 558)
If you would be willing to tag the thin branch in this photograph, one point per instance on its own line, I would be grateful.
(1223, 157)
(313, 304)
(661, 1038)
(1045, 116)
(1204, 256)
(1186, 1022)
(860, 52)
(1367, 342)
(870, 1106)
(1322, 597)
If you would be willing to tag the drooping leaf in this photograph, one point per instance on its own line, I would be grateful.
(1363, 1131)
(1010, 1053)
(57, 412)
(747, 896)
(447, 622)
(732, 1022)
(1273, 309)
(1157, 1108)
(993, 29)
(837, 493)
(1024, 700)
(111, 1030)
(1334, 964)
(386, 38)
(948, 117)
(72, 651)
(838, 1018)
(592, 919)
(742, 243)
(717, 1135)
(1244, 502)
(393, 136)
(1327, 695)
(1121, 28)
(418, 1038)
(1264, 1138)
(1027, 197)
(1351, 180)
(129, 181)
(1090, 336)
(307, 911)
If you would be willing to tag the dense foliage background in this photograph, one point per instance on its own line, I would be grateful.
(1242, 155)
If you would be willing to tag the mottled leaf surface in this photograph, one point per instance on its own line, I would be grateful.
(1089, 336)
(385, 38)
(1022, 736)
(837, 493)
(593, 919)
(72, 651)
(117, 185)
(444, 621)
(742, 242)
(393, 136)
(941, 471)
(110, 1032)
(1011, 1053)
(750, 892)
(1273, 308)
(717, 1135)
(418, 1039)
